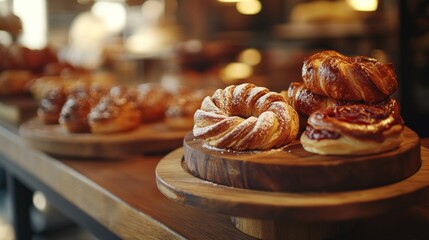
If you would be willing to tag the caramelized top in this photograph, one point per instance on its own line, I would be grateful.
(359, 120)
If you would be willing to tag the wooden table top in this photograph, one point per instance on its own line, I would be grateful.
(122, 195)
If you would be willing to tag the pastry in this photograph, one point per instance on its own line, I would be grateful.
(356, 129)
(334, 75)
(115, 112)
(182, 107)
(74, 114)
(51, 104)
(306, 102)
(15, 81)
(245, 117)
(153, 101)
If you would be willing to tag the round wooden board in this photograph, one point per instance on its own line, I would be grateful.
(53, 139)
(177, 184)
(292, 169)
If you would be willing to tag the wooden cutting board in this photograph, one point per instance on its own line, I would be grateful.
(149, 138)
(292, 169)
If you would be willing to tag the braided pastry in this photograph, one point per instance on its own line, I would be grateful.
(246, 117)
(306, 102)
(334, 75)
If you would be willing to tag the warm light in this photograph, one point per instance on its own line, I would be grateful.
(236, 71)
(39, 201)
(249, 7)
(112, 13)
(6, 232)
(233, 1)
(250, 56)
(34, 22)
(363, 5)
(153, 9)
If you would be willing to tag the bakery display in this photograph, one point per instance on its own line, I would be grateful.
(245, 117)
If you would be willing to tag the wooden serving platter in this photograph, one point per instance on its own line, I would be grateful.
(292, 169)
(179, 185)
(53, 139)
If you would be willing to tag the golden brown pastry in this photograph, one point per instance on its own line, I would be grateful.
(246, 117)
(306, 102)
(51, 104)
(115, 112)
(15, 81)
(334, 75)
(354, 129)
(182, 107)
(153, 101)
(74, 114)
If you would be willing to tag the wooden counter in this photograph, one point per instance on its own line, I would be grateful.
(121, 196)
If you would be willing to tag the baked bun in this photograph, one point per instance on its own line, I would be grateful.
(358, 129)
(246, 117)
(74, 114)
(153, 101)
(334, 75)
(51, 104)
(116, 112)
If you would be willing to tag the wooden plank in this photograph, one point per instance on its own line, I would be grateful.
(119, 193)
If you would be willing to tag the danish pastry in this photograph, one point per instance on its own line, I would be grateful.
(354, 129)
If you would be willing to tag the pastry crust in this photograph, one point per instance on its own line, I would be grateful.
(334, 75)
(246, 117)
(153, 102)
(354, 129)
(116, 112)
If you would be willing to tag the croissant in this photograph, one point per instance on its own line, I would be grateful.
(246, 117)
(334, 75)
(306, 102)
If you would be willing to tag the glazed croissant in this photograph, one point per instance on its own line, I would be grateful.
(334, 75)
(306, 102)
(246, 117)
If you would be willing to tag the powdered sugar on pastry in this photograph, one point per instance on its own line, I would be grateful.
(245, 117)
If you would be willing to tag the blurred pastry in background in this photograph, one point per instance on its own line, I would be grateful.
(51, 104)
(182, 107)
(153, 101)
(14, 81)
(115, 112)
(74, 114)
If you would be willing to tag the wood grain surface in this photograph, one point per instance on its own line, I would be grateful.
(122, 195)
(119, 193)
(177, 184)
(292, 169)
(53, 139)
